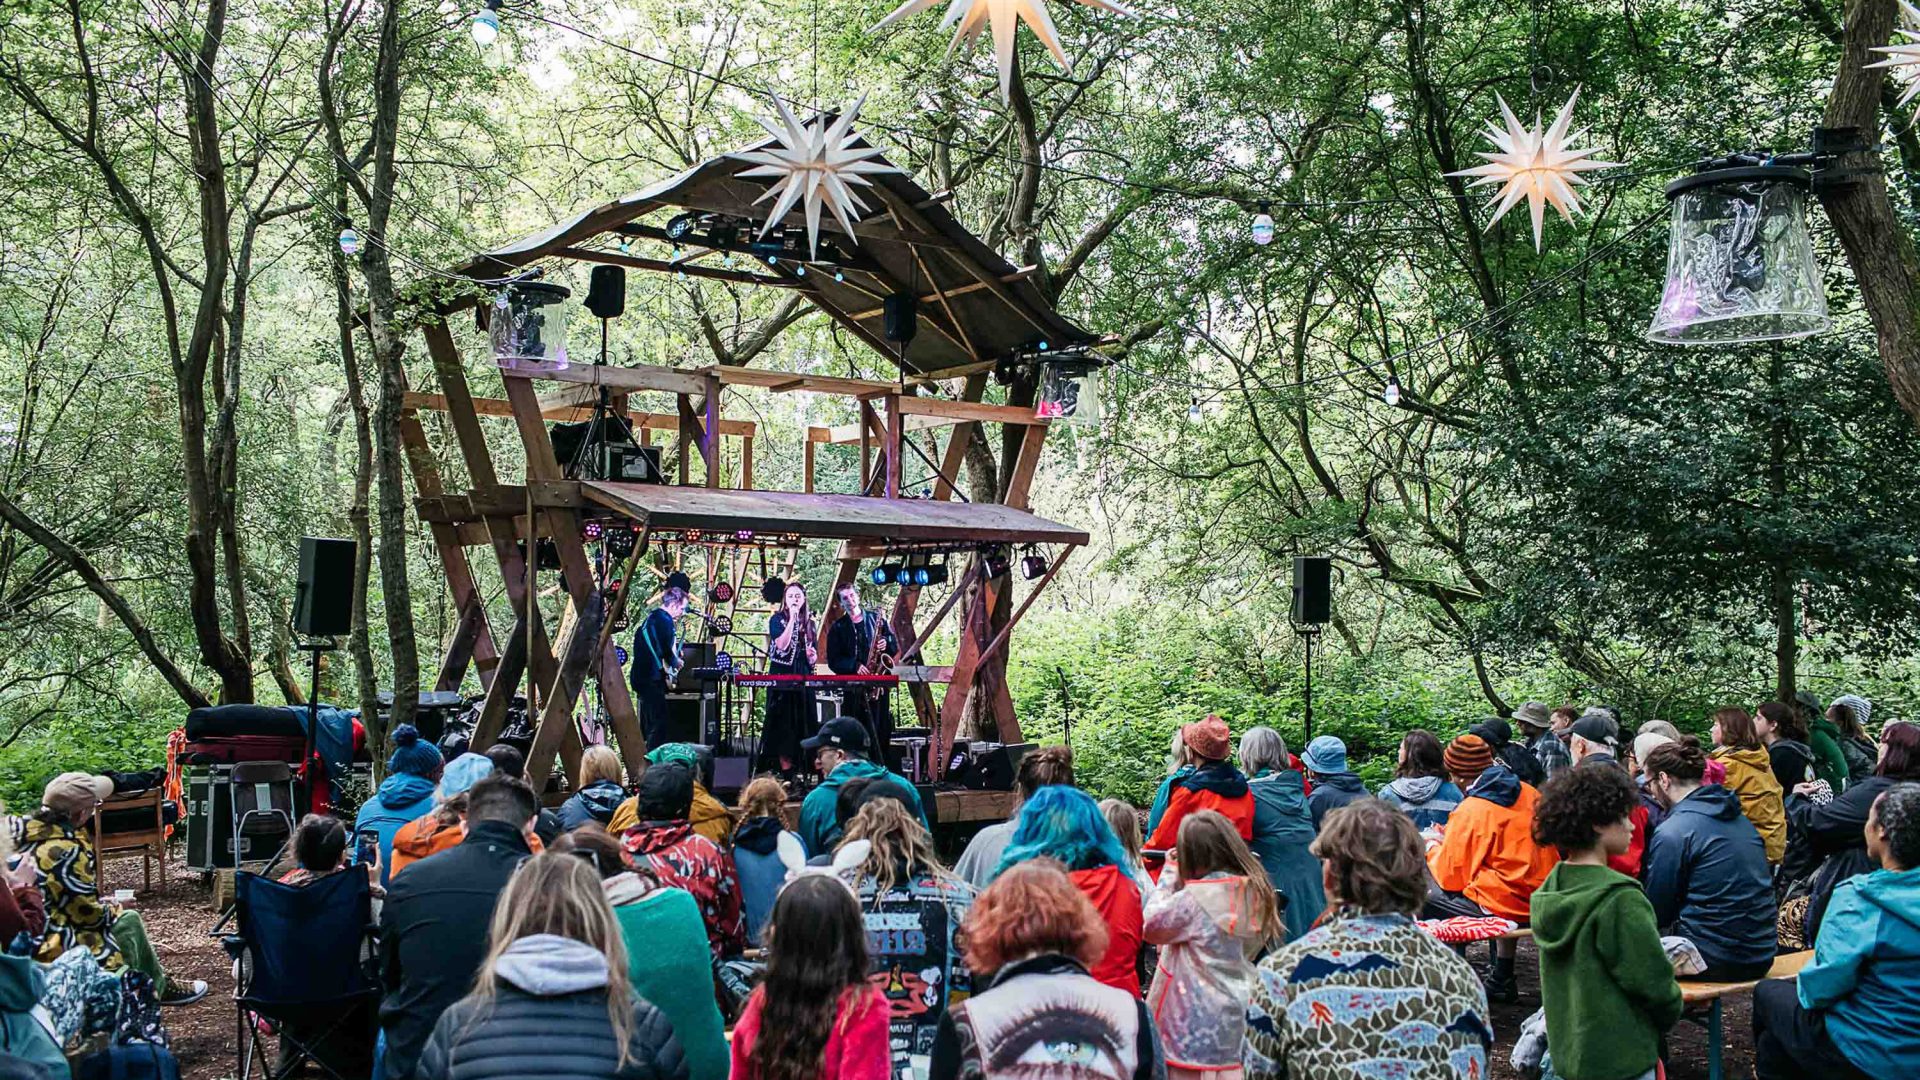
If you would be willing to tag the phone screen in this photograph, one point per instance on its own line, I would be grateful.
(367, 847)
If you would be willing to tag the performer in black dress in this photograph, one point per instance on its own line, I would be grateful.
(849, 643)
(790, 713)
(656, 659)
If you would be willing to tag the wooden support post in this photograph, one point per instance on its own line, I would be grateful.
(473, 639)
(579, 637)
(896, 436)
(1022, 480)
(866, 444)
(966, 666)
(807, 467)
(746, 463)
(688, 425)
(710, 435)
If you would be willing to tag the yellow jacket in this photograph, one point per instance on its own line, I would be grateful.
(709, 816)
(1750, 776)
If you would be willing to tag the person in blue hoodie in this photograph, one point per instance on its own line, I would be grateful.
(25, 1032)
(413, 771)
(756, 852)
(1334, 785)
(840, 752)
(1706, 868)
(1420, 787)
(600, 792)
(1855, 1009)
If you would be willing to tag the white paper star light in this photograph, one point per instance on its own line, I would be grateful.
(1904, 58)
(1004, 15)
(1539, 166)
(816, 161)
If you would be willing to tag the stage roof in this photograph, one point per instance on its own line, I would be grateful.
(828, 517)
(975, 306)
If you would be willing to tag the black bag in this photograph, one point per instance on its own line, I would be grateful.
(135, 1061)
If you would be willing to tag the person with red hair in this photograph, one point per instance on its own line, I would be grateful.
(1030, 939)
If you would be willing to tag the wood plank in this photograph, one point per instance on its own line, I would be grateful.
(459, 403)
(971, 410)
(957, 290)
(709, 431)
(473, 640)
(665, 380)
(896, 435)
(788, 382)
(962, 259)
(822, 516)
(1022, 480)
(956, 456)
(692, 269)
(579, 637)
(552, 409)
(848, 434)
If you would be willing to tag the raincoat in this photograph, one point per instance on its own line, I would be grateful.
(1207, 941)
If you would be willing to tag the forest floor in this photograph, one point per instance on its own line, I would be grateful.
(180, 919)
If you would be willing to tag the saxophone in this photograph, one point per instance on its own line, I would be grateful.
(878, 662)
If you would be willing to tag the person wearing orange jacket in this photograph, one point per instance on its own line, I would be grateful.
(1487, 862)
(1215, 784)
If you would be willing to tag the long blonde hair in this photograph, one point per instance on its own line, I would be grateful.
(1126, 825)
(901, 845)
(1179, 756)
(559, 894)
(1208, 843)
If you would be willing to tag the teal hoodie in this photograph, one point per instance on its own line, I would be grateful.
(1607, 984)
(1865, 974)
(817, 825)
(22, 984)
(401, 798)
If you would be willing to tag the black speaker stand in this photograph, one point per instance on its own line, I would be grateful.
(1310, 636)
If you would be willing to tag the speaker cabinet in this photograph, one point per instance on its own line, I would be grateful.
(323, 596)
(1312, 589)
(902, 316)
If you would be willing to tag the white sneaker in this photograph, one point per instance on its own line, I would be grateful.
(184, 993)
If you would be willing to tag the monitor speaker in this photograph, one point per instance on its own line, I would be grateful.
(323, 595)
(607, 292)
(1312, 589)
(902, 316)
(995, 766)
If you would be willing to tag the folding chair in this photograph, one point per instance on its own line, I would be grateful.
(262, 807)
(304, 970)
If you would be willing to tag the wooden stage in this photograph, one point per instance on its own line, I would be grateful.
(959, 807)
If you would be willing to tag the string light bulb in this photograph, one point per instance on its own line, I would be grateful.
(1263, 227)
(839, 275)
(486, 24)
(1391, 395)
(1193, 410)
(349, 242)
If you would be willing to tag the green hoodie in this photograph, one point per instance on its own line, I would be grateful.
(1829, 763)
(22, 985)
(1606, 982)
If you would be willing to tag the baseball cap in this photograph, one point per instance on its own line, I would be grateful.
(73, 792)
(840, 733)
(1595, 726)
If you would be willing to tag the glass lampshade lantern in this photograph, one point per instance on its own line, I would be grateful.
(528, 326)
(1069, 391)
(1740, 265)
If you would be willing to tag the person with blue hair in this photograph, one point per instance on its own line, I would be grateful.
(1065, 824)
(413, 771)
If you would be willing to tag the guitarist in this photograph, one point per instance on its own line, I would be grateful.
(849, 644)
(656, 660)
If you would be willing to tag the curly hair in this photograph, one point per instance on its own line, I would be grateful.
(1032, 908)
(766, 796)
(1578, 803)
(1897, 811)
(1375, 857)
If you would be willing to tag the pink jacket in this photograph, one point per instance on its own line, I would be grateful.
(857, 1049)
(1207, 941)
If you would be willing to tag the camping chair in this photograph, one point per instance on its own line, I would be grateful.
(304, 969)
(262, 806)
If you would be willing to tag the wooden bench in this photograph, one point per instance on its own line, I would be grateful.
(1785, 966)
(149, 842)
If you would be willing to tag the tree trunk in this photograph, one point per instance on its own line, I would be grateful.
(1786, 637)
(359, 639)
(1878, 247)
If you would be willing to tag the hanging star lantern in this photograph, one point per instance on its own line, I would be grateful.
(1904, 58)
(1538, 166)
(816, 162)
(972, 16)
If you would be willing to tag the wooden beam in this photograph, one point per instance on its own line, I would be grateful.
(848, 434)
(691, 269)
(896, 435)
(473, 640)
(459, 404)
(552, 409)
(1023, 470)
(710, 431)
(971, 410)
(958, 290)
(965, 261)
(806, 479)
(746, 463)
(786, 382)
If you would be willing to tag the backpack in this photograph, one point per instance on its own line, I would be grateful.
(137, 1061)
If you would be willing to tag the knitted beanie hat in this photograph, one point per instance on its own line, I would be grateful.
(411, 755)
(1467, 757)
(1862, 708)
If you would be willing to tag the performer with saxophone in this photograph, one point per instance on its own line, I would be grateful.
(862, 643)
(790, 713)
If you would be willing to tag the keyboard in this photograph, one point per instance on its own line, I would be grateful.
(761, 681)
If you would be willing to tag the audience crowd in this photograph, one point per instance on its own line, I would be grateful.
(1273, 918)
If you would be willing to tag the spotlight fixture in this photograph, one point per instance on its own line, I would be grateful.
(620, 655)
(1033, 565)
(723, 661)
(680, 227)
(998, 563)
(591, 530)
(721, 593)
(889, 574)
(619, 542)
(722, 625)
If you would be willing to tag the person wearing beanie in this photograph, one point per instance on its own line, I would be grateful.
(413, 772)
(1214, 784)
(1498, 735)
(1849, 715)
(1488, 862)
(445, 826)
(1823, 740)
(1334, 785)
(665, 845)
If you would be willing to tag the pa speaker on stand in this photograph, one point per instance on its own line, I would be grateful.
(1312, 609)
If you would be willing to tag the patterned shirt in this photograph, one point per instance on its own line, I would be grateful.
(1367, 995)
(683, 859)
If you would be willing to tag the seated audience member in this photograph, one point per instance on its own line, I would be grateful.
(1031, 940)
(1854, 1012)
(913, 908)
(320, 849)
(1605, 979)
(26, 1041)
(445, 826)
(1065, 824)
(1334, 785)
(756, 855)
(815, 1016)
(1126, 826)
(1707, 874)
(1750, 776)
(1211, 913)
(1420, 788)
(1331, 1003)
(413, 771)
(54, 841)
(1282, 828)
(1214, 784)
(1823, 738)
(510, 760)
(665, 845)
(1849, 714)
(1047, 765)
(1829, 843)
(1180, 763)
(434, 924)
(551, 998)
(840, 754)
(708, 814)
(1779, 729)
(22, 909)
(600, 792)
(1590, 743)
(667, 959)
(1542, 741)
(1499, 737)
(1488, 862)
